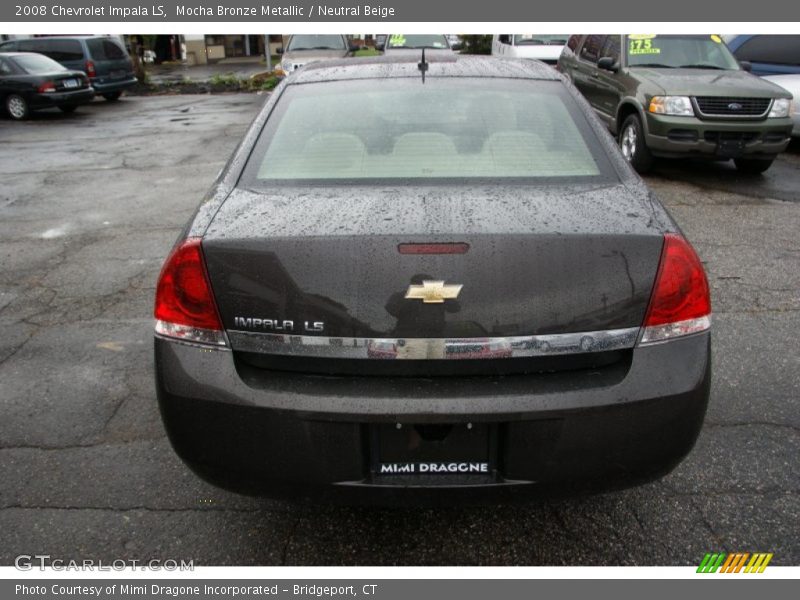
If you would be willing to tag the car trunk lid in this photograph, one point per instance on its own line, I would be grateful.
(327, 262)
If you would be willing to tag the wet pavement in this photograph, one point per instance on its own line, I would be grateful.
(90, 204)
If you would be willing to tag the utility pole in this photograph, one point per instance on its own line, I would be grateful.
(267, 53)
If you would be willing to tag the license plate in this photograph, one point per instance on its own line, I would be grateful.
(117, 74)
(730, 148)
(433, 451)
(71, 83)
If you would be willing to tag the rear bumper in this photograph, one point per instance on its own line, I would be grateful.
(105, 87)
(62, 98)
(689, 136)
(288, 434)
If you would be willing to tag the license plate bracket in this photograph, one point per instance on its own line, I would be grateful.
(730, 148)
(433, 452)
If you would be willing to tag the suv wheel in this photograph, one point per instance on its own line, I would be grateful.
(753, 166)
(17, 107)
(112, 96)
(632, 144)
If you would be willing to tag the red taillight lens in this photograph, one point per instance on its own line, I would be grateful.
(680, 303)
(47, 87)
(184, 301)
(90, 71)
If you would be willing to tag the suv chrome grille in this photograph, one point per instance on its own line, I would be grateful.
(726, 106)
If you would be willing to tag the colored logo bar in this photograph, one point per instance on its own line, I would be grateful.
(734, 562)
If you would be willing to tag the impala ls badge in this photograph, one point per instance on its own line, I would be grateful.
(433, 292)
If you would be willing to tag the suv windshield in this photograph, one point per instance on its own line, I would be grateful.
(536, 39)
(679, 51)
(36, 64)
(400, 40)
(401, 130)
(316, 42)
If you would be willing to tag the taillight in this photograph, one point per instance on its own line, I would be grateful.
(680, 303)
(185, 307)
(47, 87)
(90, 71)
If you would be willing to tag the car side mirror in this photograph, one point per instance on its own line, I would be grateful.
(607, 63)
(380, 42)
(457, 46)
(354, 48)
(279, 50)
(746, 65)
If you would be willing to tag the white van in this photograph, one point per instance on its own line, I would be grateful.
(544, 47)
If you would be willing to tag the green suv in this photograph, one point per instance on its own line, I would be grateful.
(679, 96)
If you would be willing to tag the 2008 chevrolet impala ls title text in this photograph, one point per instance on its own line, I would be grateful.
(430, 279)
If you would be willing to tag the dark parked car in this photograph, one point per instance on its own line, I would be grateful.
(768, 54)
(102, 58)
(32, 81)
(400, 288)
(679, 96)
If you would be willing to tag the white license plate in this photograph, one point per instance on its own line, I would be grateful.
(71, 83)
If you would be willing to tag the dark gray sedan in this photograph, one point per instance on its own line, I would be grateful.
(407, 288)
(30, 82)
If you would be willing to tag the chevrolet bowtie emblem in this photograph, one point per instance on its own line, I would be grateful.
(433, 292)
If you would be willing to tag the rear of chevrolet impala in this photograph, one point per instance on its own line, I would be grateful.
(401, 291)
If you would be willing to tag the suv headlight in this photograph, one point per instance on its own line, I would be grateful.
(677, 106)
(781, 107)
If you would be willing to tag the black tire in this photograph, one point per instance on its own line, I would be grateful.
(753, 166)
(112, 96)
(17, 107)
(68, 108)
(633, 145)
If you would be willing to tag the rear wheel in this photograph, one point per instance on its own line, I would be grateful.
(753, 166)
(68, 108)
(17, 107)
(112, 96)
(633, 146)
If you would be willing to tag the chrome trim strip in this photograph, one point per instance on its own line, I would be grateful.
(433, 348)
(722, 117)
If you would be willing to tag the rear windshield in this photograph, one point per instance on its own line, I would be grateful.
(401, 130)
(36, 64)
(101, 49)
(679, 51)
(316, 42)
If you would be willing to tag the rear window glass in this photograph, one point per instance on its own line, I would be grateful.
(101, 49)
(58, 50)
(36, 64)
(402, 130)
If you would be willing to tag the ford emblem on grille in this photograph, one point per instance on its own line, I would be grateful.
(735, 106)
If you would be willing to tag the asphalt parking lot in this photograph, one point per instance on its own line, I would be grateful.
(90, 204)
